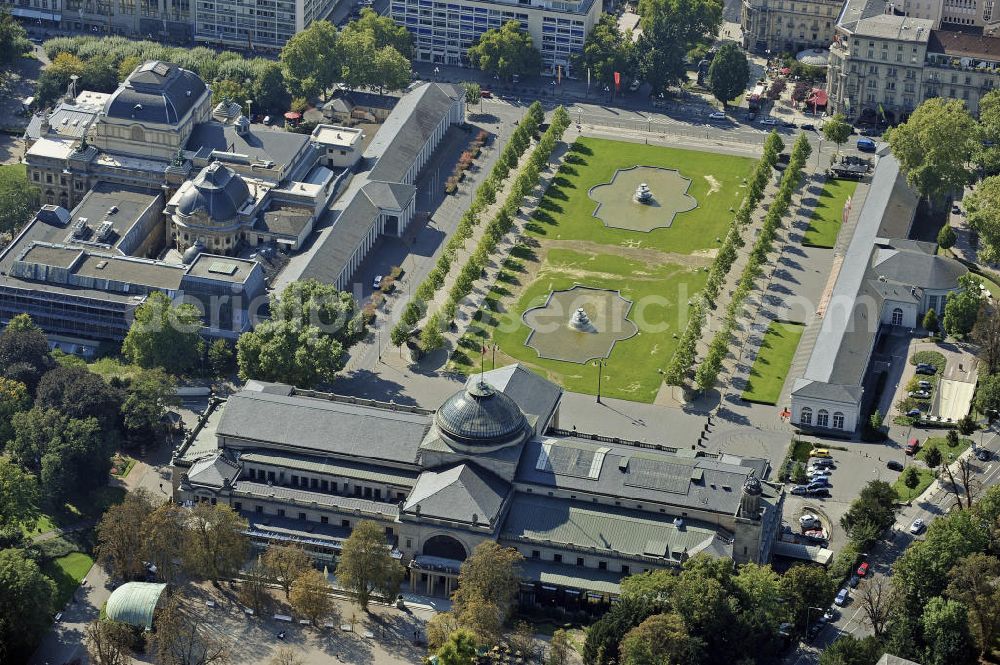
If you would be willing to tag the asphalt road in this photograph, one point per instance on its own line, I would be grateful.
(932, 505)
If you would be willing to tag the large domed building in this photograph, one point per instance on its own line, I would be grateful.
(214, 209)
(491, 463)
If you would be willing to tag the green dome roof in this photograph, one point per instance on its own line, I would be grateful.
(134, 603)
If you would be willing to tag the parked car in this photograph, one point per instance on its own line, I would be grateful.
(819, 473)
(820, 452)
(831, 614)
(926, 368)
(377, 282)
(956, 210)
(841, 598)
(486, 94)
(925, 385)
(819, 492)
(914, 413)
(769, 122)
(808, 127)
(912, 446)
(717, 115)
(821, 462)
(801, 490)
(863, 569)
(635, 85)
(809, 521)
(854, 581)
(816, 484)
(865, 144)
(789, 124)
(894, 465)
(920, 394)
(751, 116)
(982, 454)
(268, 120)
(917, 526)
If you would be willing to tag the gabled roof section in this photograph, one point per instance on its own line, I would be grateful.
(458, 494)
(406, 130)
(213, 471)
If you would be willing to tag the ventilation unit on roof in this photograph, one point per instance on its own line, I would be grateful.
(101, 265)
(105, 232)
(80, 228)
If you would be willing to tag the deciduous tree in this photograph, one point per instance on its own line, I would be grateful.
(837, 130)
(79, 393)
(671, 28)
(217, 545)
(24, 352)
(13, 39)
(558, 648)
(986, 335)
(26, 598)
(728, 73)
(946, 237)
(310, 595)
(180, 640)
(973, 582)
(311, 60)
(962, 306)
(460, 649)
(165, 335)
(366, 565)
(934, 147)
(109, 642)
(662, 638)
(150, 393)
(287, 352)
(946, 633)
(804, 587)
(164, 540)
(19, 495)
(930, 321)
(848, 650)
(877, 602)
(506, 52)
(606, 50)
(121, 536)
(19, 199)
(284, 564)
(487, 587)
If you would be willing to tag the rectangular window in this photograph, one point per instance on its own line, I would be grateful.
(325, 485)
(579, 560)
(295, 479)
(602, 565)
(346, 524)
(557, 558)
(625, 570)
(302, 516)
(237, 506)
(323, 519)
(409, 543)
(535, 554)
(270, 476)
(258, 509)
(281, 512)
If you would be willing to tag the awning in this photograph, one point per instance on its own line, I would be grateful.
(292, 115)
(24, 12)
(820, 555)
(818, 97)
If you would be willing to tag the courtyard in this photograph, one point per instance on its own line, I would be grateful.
(589, 233)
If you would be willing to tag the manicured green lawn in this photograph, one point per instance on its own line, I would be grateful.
(66, 572)
(826, 218)
(717, 183)
(632, 370)
(769, 370)
(905, 493)
(941, 443)
(89, 507)
(574, 247)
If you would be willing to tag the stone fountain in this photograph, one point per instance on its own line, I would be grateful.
(579, 321)
(642, 193)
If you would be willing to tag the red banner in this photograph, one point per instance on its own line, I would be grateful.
(618, 80)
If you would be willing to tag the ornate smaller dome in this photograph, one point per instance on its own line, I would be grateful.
(216, 195)
(192, 252)
(752, 485)
(481, 416)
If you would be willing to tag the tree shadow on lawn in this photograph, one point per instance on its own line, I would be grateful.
(549, 205)
(581, 149)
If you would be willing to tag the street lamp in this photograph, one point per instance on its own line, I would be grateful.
(808, 610)
(249, 115)
(436, 72)
(553, 84)
(601, 364)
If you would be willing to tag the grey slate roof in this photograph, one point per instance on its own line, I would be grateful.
(329, 466)
(641, 474)
(323, 426)
(459, 493)
(156, 92)
(213, 471)
(550, 573)
(389, 195)
(606, 529)
(828, 391)
(536, 396)
(406, 130)
(922, 270)
(68, 119)
(321, 499)
(258, 144)
(351, 225)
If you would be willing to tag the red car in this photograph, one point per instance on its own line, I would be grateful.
(863, 569)
(912, 446)
(486, 94)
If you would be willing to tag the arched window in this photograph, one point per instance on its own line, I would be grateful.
(838, 420)
(806, 416)
(138, 134)
(897, 316)
(823, 418)
(444, 547)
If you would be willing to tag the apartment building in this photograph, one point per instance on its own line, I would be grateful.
(263, 24)
(443, 30)
(883, 60)
(788, 25)
(166, 20)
